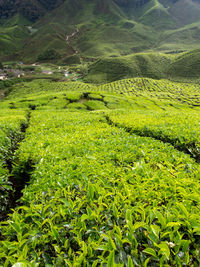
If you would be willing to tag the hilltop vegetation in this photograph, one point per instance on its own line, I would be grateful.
(175, 67)
(186, 65)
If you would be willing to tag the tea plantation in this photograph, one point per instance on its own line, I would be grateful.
(103, 175)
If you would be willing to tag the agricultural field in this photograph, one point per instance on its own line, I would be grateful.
(103, 175)
(188, 93)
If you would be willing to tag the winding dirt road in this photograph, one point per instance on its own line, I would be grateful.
(69, 37)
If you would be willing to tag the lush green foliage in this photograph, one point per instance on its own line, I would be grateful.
(106, 195)
(152, 65)
(103, 191)
(186, 65)
(151, 90)
(181, 129)
(49, 54)
(157, 90)
(36, 87)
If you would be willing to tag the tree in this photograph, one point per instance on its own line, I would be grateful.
(49, 54)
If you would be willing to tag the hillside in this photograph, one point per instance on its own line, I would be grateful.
(106, 28)
(186, 66)
(179, 66)
(152, 65)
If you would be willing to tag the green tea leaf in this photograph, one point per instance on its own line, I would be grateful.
(150, 251)
(111, 259)
(20, 264)
(130, 262)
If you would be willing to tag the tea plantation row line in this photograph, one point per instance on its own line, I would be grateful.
(181, 129)
(160, 89)
(10, 135)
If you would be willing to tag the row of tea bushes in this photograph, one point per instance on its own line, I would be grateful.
(99, 196)
(182, 129)
(38, 87)
(10, 134)
(186, 93)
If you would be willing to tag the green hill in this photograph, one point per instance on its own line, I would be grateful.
(99, 139)
(13, 33)
(186, 66)
(152, 65)
(180, 66)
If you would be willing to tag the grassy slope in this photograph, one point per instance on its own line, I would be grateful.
(139, 88)
(101, 34)
(13, 32)
(181, 38)
(181, 66)
(113, 31)
(157, 16)
(153, 65)
(186, 65)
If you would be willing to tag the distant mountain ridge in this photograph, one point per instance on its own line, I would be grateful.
(107, 28)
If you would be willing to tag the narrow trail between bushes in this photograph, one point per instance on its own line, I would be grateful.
(19, 174)
(130, 130)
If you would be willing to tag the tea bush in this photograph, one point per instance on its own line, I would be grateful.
(181, 129)
(10, 135)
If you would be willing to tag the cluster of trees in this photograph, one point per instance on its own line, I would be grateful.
(32, 10)
(7, 8)
(49, 54)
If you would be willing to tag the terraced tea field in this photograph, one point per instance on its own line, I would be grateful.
(100, 175)
(157, 89)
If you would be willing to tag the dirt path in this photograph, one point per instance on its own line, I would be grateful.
(69, 37)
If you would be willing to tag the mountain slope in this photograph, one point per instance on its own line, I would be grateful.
(105, 27)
